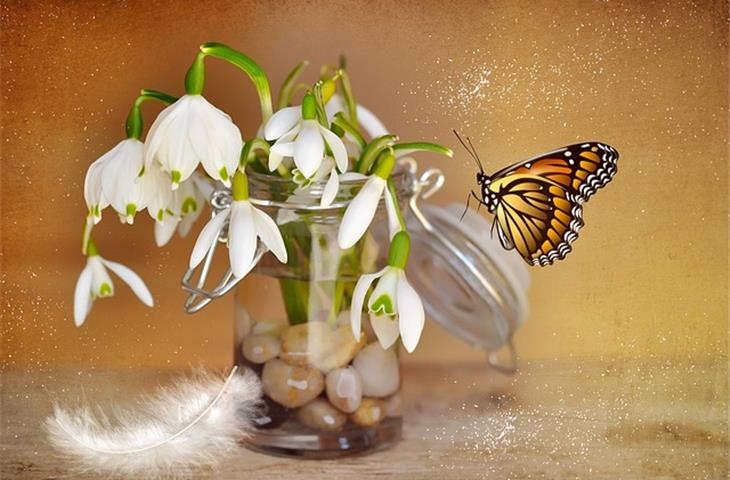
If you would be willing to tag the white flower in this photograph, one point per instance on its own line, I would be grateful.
(394, 306)
(120, 180)
(94, 282)
(93, 192)
(192, 131)
(361, 211)
(246, 222)
(186, 204)
(302, 139)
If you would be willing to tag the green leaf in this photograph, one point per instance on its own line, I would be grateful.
(288, 88)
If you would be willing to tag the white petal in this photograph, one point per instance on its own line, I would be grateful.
(164, 230)
(158, 135)
(330, 189)
(335, 104)
(385, 328)
(386, 287)
(308, 148)
(358, 299)
(93, 191)
(269, 233)
(393, 222)
(241, 238)
(187, 221)
(99, 277)
(338, 148)
(120, 176)
(370, 122)
(281, 122)
(157, 192)
(82, 296)
(360, 212)
(411, 316)
(134, 281)
(208, 235)
(284, 149)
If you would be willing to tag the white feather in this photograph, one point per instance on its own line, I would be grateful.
(193, 424)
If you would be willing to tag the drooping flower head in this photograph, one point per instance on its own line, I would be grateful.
(394, 306)
(95, 282)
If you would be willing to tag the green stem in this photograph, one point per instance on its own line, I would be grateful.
(406, 148)
(349, 97)
(288, 87)
(394, 196)
(249, 67)
(341, 122)
(371, 152)
(134, 124)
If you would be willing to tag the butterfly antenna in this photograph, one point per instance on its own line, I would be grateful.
(472, 152)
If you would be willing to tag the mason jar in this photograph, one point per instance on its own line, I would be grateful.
(327, 394)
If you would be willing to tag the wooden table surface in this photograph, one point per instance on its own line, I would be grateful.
(658, 419)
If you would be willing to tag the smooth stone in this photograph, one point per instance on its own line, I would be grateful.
(343, 349)
(371, 412)
(394, 405)
(344, 389)
(260, 348)
(242, 323)
(378, 369)
(269, 326)
(320, 414)
(289, 385)
(305, 343)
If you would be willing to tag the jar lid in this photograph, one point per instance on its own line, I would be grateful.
(469, 284)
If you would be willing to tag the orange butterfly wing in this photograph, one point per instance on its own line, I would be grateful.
(535, 216)
(580, 169)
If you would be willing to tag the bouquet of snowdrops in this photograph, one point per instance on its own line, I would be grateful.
(318, 136)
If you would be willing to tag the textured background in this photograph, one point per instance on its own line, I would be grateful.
(647, 279)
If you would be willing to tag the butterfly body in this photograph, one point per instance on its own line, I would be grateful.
(538, 203)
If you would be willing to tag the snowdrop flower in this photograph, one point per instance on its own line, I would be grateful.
(120, 182)
(246, 222)
(94, 282)
(192, 131)
(361, 210)
(394, 306)
(186, 204)
(299, 135)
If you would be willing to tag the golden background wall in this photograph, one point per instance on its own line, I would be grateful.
(647, 278)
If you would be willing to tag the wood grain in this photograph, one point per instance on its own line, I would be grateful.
(629, 420)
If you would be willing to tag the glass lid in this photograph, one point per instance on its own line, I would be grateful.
(470, 285)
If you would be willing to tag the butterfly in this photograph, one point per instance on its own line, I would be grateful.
(538, 203)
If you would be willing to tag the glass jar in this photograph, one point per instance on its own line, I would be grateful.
(326, 393)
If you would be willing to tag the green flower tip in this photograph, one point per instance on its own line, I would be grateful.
(383, 305)
(240, 186)
(189, 205)
(309, 107)
(105, 290)
(91, 250)
(176, 176)
(195, 78)
(131, 210)
(385, 164)
(400, 248)
(223, 172)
